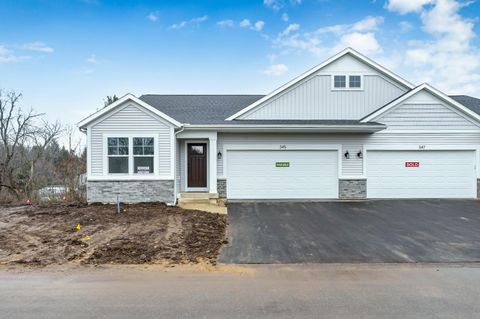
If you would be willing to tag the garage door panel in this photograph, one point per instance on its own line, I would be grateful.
(441, 174)
(254, 175)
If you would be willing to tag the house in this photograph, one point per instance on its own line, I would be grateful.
(346, 129)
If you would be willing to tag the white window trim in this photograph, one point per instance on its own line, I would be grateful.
(130, 173)
(347, 82)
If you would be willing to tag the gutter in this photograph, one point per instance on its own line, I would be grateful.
(174, 203)
(289, 127)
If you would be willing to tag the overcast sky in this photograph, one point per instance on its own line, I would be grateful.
(66, 56)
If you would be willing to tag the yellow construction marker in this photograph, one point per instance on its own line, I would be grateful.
(78, 227)
(86, 238)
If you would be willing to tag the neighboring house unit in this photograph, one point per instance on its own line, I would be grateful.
(346, 129)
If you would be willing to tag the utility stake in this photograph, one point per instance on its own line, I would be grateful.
(118, 204)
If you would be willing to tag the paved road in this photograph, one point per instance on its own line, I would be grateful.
(365, 231)
(272, 291)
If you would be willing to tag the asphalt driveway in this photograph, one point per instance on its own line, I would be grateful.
(384, 231)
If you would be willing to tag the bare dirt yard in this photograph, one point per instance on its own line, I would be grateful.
(62, 233)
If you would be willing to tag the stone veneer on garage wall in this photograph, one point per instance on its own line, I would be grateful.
(352, 188)
(478, 187)
(130, 191)
(222, 188)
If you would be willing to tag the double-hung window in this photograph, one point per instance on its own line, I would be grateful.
(131, 155)
(118, 155)
(143, 155)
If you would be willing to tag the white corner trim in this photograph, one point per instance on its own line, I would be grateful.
(89, 151)
(425, 86)
(351, 51)
(123, 99)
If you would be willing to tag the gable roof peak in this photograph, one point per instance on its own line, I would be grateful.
(127, 97)
(347, 50)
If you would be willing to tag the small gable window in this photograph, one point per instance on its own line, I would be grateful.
(339, 81)
(347, 82)
(355, 81)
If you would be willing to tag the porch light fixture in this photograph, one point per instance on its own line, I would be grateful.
(347, 155)
(360, 154)
(219, 155)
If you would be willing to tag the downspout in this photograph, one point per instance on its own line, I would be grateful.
(175, 165)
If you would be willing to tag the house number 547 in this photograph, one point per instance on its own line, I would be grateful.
(421, 147)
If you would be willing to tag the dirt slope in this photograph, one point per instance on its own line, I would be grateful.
(142, 233)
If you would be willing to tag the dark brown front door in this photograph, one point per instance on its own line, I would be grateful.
(197, 164)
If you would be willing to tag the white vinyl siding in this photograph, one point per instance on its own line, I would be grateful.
(423, 116)
(254, 174)
(313, 98)
(131, 119)
(352, 166)
(440, 174)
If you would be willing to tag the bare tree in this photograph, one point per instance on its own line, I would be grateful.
(16, 126)
(41, 137)
(24, 136)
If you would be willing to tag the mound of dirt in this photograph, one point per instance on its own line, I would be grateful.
(94, 234)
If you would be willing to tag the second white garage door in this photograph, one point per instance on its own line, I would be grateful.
(267, 174)
(421, 174)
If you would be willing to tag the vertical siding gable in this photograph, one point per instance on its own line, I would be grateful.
(426, 112)
(312, 97)
(128, 119)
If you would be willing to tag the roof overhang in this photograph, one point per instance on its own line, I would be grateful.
(362, 128)
(128, 97)
(337, 56)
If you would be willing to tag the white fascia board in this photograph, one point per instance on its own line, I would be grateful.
(425, 86)
(89, 119)
(348, 50)
(289, 127)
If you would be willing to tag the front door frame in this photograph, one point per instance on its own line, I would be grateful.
(185, 166)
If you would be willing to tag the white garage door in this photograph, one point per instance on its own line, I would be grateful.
(262, 174)
(421, 174)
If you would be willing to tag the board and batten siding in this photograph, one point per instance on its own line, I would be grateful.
(131, 119)
(352, 167)
(313, 99)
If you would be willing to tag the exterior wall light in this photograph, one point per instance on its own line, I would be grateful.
(360, 154)
(219, 155)
(347, 155)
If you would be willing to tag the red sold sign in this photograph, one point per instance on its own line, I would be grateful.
(412, 164)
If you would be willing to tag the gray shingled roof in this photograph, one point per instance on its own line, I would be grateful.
(200, 109)
(214, 109)
(469, 101)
